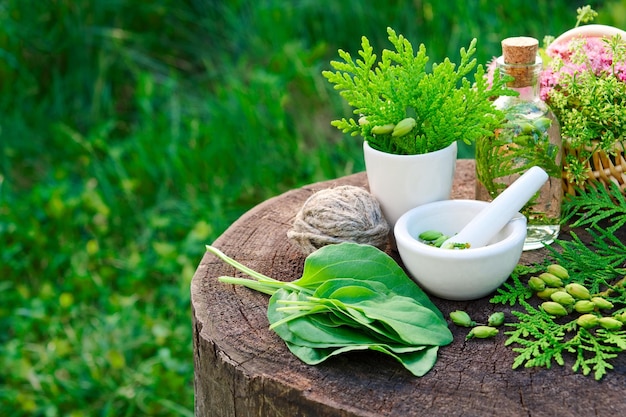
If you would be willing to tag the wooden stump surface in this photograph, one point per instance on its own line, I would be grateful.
(244, 369)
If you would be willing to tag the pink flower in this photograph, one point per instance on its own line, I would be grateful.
(560, 51)
(575, 57)
(547, 82)
(599, 58)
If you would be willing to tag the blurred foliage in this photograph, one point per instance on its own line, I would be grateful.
(132, 133)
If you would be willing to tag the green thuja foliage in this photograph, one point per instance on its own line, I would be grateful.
(596, 204)
(541, 338)
(443, 105)
(590, 338)
(541, 341)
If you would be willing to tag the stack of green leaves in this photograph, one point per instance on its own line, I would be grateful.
(351, 297)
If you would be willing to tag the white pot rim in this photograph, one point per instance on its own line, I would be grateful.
(370, 149)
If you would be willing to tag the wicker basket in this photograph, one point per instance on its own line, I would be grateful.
(603, 168)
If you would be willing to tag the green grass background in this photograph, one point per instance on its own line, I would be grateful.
(132, 133)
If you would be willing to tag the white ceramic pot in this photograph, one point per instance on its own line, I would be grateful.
(402, 182)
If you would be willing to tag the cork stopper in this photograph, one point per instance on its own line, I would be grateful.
(520, 50)
(519, 55)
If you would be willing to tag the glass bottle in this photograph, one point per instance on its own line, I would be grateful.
(531, 136)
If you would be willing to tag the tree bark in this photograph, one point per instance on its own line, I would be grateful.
(244, 369)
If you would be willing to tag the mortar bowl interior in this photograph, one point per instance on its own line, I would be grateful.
(457, 274)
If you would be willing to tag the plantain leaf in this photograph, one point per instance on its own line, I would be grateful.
(351, 297)
(364, 263)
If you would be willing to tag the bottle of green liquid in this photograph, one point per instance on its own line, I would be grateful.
(530, 137)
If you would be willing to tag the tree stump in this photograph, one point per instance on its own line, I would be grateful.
(244, 369)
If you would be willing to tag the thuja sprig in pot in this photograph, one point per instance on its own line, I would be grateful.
(402, 108)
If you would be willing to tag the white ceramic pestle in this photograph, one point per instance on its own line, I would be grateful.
(479, 231)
